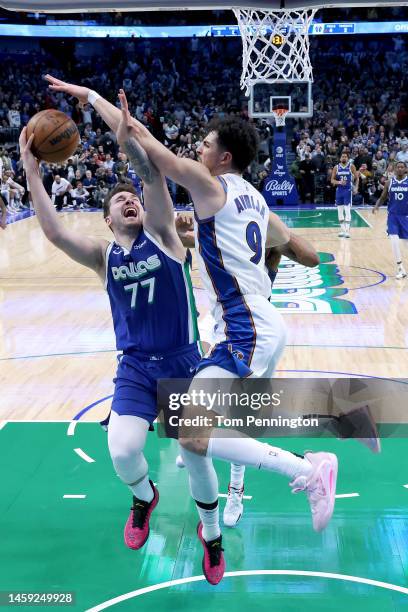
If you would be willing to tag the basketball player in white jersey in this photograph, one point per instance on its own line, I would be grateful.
(233, 229)
(297, 249)
(396, 191)
(345, 178)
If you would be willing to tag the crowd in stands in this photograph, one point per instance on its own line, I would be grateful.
(196, 17)
(176, 86)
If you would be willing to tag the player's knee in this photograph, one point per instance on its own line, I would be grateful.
(129, 465)
(195, 445)
(125, 453)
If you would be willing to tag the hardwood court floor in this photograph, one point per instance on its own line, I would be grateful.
(57, 350)
(57, 359)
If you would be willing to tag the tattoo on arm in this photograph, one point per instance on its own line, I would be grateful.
(140, 161)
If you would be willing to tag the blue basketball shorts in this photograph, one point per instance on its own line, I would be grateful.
(137, 375)
(398, 224)
(344, 197)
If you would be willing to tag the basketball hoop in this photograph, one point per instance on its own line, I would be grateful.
(280, 116)
(275, 45)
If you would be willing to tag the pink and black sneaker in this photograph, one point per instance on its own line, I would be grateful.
(137, 526)
(213, 560)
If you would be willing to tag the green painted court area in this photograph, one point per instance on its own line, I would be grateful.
(49, 543)
(321, 218)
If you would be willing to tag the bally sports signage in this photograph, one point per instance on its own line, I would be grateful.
(280, 188)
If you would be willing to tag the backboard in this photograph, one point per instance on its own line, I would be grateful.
(296, 96)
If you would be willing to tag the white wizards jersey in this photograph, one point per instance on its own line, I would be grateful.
(231, 253)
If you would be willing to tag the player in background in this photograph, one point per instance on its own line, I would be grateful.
(233, 229)
(396, 191)
(147, 279)
(297, 249)
(345, 178)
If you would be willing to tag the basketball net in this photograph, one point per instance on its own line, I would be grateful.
(280, 116)
(275, 45)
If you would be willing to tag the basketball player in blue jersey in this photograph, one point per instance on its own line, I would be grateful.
(345, 178)
(396, 191)
(146, 275)
(233, 229)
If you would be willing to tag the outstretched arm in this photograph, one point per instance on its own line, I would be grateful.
(3, 214)
(300, 250)
(278, 234)
(383, 197)
(159, 215)
(194, 176)
(206, 191)
(86, 251)
(109, 113)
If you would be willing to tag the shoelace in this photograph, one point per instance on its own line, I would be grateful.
(301, 483)
(214, 550)
(234, 496)
(139, 509)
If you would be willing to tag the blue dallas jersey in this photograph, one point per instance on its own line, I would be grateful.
(344, 174)
(136, 180)
(151, 297)
(398, 197)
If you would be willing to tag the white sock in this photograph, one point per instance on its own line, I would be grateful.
(247, 451)
(343, 227)
(143, 490)
(347, 227)
(237, 476)
(211, 522)
(204, 490)
(202, 476)
(396, 250)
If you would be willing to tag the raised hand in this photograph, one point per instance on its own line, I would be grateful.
(125, 127)
(77, 91)
(30, 163)
(184, 223)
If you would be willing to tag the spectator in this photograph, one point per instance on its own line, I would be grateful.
(110, 178)
(79, 195)
(60, 191)
(11, 191)
(90, 184)
(108, 163)
(402, 156)
(171, 131)
(307, 182)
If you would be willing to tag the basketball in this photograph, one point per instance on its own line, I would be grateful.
(56, 136)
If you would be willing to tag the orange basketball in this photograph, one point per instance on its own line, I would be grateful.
(56, 136)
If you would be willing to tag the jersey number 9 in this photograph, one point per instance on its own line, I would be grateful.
(254, 240)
